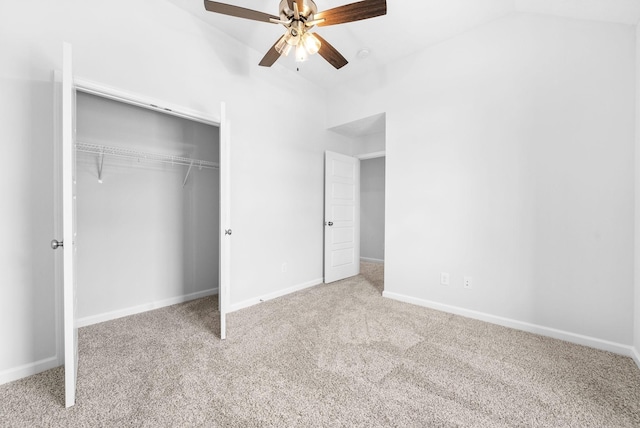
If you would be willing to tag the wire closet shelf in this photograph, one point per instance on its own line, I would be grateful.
(102, 151)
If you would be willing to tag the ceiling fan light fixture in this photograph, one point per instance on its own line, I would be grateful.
(292, 37)
(282, 47)
(311, 43)
(301, 53)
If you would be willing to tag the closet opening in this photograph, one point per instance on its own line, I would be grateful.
(148, 209)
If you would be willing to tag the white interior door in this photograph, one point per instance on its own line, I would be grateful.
(69, 228)
(225, 222)
(341, 217)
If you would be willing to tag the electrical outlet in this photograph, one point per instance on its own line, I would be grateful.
(284, 267)
(444, 278)
(467, 282)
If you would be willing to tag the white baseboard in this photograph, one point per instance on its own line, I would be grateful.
(636, 356)
(108, 316)
(254, 301)
(579, 339)
(370, 260)
(25, 370)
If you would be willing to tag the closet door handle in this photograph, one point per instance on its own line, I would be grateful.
(227, 232)
(329, 224)
(55, 244)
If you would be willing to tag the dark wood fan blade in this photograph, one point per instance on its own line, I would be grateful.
(330, 53)
(271, 57)
(352, 12)
(240, 12)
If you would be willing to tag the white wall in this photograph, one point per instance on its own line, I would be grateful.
(510, 159)
(370, 143)
(143, 238)
(154, 49)
(27, 292)
(636, 340)
(372, 209)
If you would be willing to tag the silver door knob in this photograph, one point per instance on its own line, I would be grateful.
(55, 244)
(330, 223)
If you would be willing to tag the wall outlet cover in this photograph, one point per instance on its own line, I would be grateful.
(444, 278)
(467, 282)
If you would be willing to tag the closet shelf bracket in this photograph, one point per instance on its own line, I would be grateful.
(187, 176)
(101, 163)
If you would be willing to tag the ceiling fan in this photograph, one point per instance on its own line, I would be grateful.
(300, 16)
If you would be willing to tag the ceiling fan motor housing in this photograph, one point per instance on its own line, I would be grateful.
(309, 9)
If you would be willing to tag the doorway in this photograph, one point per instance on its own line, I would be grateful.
(372, 209)
(368, 143)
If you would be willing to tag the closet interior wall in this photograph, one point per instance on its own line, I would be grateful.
(143, 237)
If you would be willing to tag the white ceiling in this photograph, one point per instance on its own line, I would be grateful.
(407, 28)
(618, 11)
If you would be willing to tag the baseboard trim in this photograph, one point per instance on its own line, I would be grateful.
(636, 356)
(108, 316)
(260, 299)
(25, 370)
(370, 260)
(578, 339)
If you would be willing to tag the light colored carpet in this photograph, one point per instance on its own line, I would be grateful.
(333, 355)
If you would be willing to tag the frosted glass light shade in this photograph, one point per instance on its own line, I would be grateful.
(282, 47)
(301, 53)
(311, 43)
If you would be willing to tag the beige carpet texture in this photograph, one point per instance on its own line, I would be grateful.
(334, 355)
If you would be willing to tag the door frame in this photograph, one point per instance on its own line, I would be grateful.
(372, 155)
(149, 103)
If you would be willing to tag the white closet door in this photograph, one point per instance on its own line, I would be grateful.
(225, 222)
(341, 217)
(69, 228)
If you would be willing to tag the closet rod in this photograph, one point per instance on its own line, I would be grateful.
(146, 156)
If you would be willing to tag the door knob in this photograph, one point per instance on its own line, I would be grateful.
(330, 223)
(55, 244)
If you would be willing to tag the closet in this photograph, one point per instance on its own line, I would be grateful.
(147, 209)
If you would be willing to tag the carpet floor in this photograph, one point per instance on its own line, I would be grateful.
(333, 355)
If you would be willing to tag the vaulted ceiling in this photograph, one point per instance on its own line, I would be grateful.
(407, 28)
